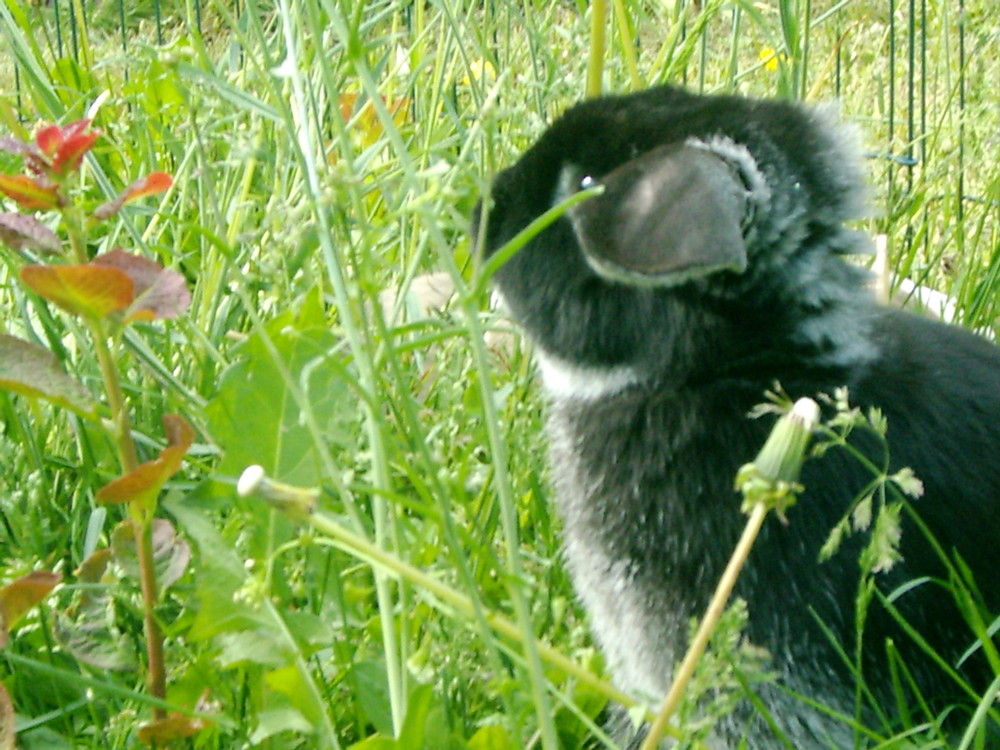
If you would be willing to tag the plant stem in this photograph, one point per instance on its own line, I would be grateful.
(595, 63)
(122, 433)
(700, 642)
(121, 430)
(73, 220)
(361, 548)
(157, 677)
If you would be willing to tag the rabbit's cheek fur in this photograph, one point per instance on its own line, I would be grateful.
(565, 380)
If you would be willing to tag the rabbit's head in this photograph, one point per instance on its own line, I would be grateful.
(716, 233)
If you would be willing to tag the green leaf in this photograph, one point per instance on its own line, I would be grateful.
(249, 647)
(415, 724)
(291, 682)
(492, 737)
(222, 575)
(34, 371)
(372, 689)
(255, 416)
(274, 721)
(376, 742)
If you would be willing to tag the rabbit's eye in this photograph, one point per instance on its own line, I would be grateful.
(572, 179)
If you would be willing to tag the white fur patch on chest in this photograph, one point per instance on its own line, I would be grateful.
(564, 380)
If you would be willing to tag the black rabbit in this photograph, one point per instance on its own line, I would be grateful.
(662, 310)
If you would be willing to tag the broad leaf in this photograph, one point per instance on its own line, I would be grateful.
(89, 290)
(221, 575)
(30, 192)
(91, 638)
(490, 737)
(158, 292)
(255, 417)
(157, 182)
(74, 142)
(24, 232)
(6, 720)
(34, 371)
(17, 597)
(174, 727)
(272, 721)
(171, 554)
(142, 485)
(372, 690)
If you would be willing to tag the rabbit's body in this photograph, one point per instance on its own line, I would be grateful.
(653, 357)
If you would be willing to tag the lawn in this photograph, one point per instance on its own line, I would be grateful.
(407, 591)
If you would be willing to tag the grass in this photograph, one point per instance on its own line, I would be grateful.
(325, 152)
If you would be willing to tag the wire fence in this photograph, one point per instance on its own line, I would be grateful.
(907, 71)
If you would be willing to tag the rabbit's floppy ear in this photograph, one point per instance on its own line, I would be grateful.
(672, 214)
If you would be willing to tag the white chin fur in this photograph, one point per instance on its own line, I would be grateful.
(563, 380)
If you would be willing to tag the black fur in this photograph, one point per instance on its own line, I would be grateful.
(644, 469)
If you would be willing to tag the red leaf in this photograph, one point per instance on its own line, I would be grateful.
(30, 192)
(71, 153)
(157, 182)
(91, 290)
(65, 147)
(49, 139)
(24, 232)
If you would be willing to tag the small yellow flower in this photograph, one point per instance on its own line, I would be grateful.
(480, 70)
(769, 57)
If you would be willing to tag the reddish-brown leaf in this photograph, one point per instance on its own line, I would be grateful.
(92, 569)
(142, 485)
(178, 430)
(24, 232)
(92, 290)
(6, 720)
(157, 182)
(34, 371)
(139, 484)
(71, 153)
(17, 597)
(174, 727)
(159, 292)
(30, 192)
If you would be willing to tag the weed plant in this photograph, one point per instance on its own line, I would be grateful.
(325, 153)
